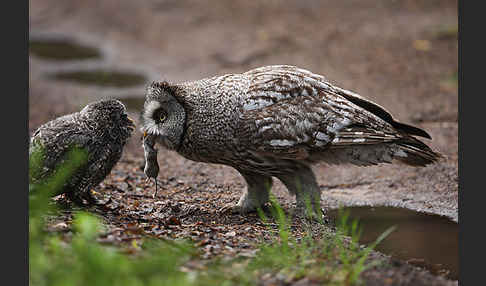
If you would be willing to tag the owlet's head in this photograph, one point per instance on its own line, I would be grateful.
(109, 115)
(163, 117)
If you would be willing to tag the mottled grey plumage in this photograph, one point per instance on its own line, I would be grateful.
(276, 121)
(101, 128)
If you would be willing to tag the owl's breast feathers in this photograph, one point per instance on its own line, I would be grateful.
(211, 121)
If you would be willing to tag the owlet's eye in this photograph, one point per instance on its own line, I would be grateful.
(159, 116)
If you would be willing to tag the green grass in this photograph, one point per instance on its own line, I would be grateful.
(335, 259)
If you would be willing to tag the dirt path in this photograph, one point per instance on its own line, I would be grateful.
(401, 54)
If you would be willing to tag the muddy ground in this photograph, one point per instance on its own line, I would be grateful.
(400, 54)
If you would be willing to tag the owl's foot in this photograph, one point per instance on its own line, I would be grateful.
(310, 215)
(231, 209)
(155, 181)
(75, 199)
(238, 209)
(309, 207)
(256, 194)
(303, 184)
(90, 197)
(83, 200)
(63, 202)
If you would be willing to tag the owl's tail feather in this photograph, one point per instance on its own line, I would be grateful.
(371, 147)
(416, 152)
(382, 113)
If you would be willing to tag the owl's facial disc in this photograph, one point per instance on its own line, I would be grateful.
(163, 118)
(149, 115)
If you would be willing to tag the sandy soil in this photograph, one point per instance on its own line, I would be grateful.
(401, 54)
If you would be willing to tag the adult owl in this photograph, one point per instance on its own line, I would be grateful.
(101, 129)
(276, 121)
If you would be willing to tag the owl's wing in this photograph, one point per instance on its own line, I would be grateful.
(271, 84)
(293, 112)
(60, 135)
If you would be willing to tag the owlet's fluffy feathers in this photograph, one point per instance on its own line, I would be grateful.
(101, 129)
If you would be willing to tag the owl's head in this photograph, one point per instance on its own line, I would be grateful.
(109, 112)
(163, 117)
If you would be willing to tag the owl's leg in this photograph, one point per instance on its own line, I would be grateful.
(90, 198)
(303, 184)
(257, 192)
(75, 198)
(80, 198)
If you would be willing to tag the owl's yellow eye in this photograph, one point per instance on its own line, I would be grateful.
(160, 116)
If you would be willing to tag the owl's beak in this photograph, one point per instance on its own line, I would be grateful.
(132, 123)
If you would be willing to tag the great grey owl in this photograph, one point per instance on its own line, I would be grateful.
(101, 129)
(275, 121)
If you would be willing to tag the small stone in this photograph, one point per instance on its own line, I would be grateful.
(230, 234)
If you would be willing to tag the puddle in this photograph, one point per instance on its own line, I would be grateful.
(102, 77)
(429, 241)
(62, 50)
(133, 103)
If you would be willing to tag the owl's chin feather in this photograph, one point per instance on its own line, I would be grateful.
(166, 143)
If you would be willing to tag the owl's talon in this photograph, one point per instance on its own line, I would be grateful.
(231, 209)
(155, 194)
(156, 186)
(311, 216)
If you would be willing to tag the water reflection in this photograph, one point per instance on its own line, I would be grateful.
(101, 77)
(429, 241)
(61, 50)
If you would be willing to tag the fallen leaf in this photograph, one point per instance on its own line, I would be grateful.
(422, 45)
(173, 221)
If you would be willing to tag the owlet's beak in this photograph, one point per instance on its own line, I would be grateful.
(131, 124)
